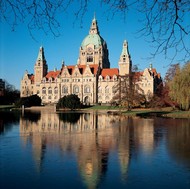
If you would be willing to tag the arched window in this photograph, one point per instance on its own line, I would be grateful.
(55, 90)
(99, 99)
(114, 89)
(87, 89)
(90, 59)
(106, 89)
(75, 89)
(65, 89)
(49, 90)
(99, 89)
(43, 90)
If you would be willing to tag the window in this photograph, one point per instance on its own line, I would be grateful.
(65, 89)
(43, 90)
(75, 89)
(114, 89)
(87, 89)
(106, 89)
(99, 89)
(55, 90)
(49, 90)
(90, 59)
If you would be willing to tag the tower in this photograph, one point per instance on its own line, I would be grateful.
(125, 62)
(40, 68)
(93, 49)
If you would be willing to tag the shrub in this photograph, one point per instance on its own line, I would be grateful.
(33, 100)
(70, 101)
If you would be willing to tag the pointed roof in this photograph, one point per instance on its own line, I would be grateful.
(41, 54)
(94, 27)
(93, 37)
(125, 50)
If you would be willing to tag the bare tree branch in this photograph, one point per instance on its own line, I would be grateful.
(166, 23)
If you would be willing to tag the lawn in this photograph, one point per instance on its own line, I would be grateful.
(163, 112)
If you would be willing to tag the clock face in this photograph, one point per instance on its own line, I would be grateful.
(89, 50)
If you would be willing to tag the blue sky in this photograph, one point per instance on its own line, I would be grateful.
(18, 50)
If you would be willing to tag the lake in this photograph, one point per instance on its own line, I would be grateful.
(93, 150)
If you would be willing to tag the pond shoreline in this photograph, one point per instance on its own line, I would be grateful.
(141, 112)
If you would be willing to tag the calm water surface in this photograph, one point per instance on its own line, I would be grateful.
(93, 150)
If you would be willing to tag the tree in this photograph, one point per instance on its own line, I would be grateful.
(33, 100)
(10, 94)
(129, 94)
(166, 22)
(161, 98)
(71, 101)
(179, 89)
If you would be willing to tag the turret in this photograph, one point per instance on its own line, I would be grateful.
(94, 27)
(125, 62)
(40, 68)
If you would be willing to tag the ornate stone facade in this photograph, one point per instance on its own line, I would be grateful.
(91, 78)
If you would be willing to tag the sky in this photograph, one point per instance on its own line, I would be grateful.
(19, 50)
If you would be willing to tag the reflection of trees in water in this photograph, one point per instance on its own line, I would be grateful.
(179, 139)
(69, 117)
(33, 116)
(7, 120)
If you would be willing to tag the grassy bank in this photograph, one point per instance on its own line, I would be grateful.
(161, 112)
(2, 107)
(97, 107)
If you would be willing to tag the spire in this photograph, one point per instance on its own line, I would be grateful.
(125, 50)
(63, 63)
(125, 60)
(94, 27)
(150, 67)
(40, 68)
(41, 56)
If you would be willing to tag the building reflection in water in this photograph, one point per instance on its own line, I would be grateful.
(91, 137)
(143, 134)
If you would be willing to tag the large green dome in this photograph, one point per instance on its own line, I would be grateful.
(94, 39)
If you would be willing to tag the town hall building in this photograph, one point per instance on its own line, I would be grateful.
(91, 78)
